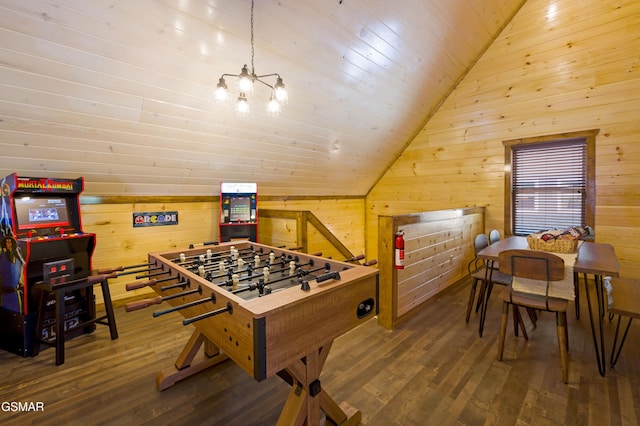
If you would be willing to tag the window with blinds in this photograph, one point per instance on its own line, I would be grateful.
(549, 185)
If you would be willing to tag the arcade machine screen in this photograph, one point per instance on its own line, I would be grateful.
(240, 209)
(41, 212)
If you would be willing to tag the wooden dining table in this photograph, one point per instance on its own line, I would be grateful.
(596, 259)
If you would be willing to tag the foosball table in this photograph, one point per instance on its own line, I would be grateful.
(272, 311)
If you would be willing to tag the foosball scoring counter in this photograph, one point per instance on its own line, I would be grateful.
(272, 311)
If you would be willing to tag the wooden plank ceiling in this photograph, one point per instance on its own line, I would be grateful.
(121, 91)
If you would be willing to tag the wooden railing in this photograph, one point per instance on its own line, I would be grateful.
(298, 237)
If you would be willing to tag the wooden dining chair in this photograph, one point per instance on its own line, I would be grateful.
(478, 272)
(625, 303)
(547, 270)
(494, 237)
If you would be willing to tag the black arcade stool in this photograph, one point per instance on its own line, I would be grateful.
(62, 286)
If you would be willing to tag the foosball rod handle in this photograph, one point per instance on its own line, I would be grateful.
(355, 258)
(95, 279)
(140, 304)
(146, 283)
(139, 284)
(109, 270)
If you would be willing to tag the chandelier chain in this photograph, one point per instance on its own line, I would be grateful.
(252, 49)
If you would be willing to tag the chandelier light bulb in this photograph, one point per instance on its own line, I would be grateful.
(273, 107)
(221, 95)
(242, 106)
(245, 81)
(280, 92)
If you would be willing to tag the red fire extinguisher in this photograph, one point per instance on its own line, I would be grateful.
(399, 263)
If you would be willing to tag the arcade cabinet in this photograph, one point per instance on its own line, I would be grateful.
(41, 238)
(238, 211)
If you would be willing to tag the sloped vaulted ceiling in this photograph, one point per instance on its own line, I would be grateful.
(121, 92)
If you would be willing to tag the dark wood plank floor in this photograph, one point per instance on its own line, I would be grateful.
(434, 370)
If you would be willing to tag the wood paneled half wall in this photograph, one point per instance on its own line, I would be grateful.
(438, 248)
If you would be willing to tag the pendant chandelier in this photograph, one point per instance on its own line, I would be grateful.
(246, 81)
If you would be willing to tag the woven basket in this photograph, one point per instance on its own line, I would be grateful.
(555, 246)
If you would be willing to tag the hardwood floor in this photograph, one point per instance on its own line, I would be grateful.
(432, 370)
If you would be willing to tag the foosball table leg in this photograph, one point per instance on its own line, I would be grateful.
(187, 364)
(344, 414)
(307, 399)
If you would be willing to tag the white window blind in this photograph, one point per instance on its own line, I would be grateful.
(548, 185)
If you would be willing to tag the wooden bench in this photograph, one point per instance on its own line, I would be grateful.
(626, 302)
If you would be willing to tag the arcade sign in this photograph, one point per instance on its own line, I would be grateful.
(30, 184)
(143, 219)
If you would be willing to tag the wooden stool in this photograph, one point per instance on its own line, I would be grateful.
(61, 286)
(626, 302)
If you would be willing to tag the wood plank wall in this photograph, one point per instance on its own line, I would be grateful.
(558, 67)
(344, 216)
(118, 243)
